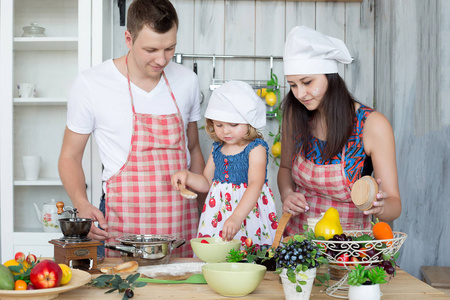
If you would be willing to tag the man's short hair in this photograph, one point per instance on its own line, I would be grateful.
(159, 15)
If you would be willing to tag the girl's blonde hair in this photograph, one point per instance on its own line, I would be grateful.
(251, 135)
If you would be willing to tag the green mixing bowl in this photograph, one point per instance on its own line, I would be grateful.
(233, 279)
(215, 251)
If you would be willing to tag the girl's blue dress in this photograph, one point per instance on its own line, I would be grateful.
(229, 184)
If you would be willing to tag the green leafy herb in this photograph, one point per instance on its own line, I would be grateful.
(116, 283)
(25, 276)
(360, 275)
(235, 255)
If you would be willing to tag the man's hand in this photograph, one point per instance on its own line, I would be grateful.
(91, 212)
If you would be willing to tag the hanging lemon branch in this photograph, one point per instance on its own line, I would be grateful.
(272, 95)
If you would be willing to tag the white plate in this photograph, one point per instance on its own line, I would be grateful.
(79, 278)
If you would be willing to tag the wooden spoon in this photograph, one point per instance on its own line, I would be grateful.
(280, 229)
(185, 193)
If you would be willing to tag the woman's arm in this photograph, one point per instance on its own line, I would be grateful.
(379, 144)
(293, 202)
(256, 179)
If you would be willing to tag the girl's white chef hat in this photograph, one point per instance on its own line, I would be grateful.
(236, 102)
(308, 51)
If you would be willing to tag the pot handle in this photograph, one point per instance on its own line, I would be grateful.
(178, 243)
(122, 248)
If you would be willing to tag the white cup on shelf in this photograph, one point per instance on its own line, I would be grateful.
(31, 166)
(26, 90)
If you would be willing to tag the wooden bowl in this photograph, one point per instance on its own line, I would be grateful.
(364, 192)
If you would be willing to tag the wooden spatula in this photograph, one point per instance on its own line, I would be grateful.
(185, 193)
(280, 229)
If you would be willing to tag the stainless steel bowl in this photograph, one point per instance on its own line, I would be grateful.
(75, 228)
(146, 249)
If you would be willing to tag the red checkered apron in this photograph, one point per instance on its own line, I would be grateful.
(324, 186)
(139, 197)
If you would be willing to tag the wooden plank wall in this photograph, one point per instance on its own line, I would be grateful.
(412, 88)
(252, 27)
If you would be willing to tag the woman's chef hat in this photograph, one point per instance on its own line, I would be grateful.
(310, 52)
(236, 102)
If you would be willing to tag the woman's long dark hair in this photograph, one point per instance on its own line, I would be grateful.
(339, 109)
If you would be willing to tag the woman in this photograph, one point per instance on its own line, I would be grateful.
(329, 139)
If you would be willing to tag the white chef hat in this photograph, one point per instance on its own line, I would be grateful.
(308, 51)
(236, 102)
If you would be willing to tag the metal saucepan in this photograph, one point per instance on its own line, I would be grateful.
(146, 249)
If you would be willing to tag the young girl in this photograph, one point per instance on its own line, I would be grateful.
(240, 203)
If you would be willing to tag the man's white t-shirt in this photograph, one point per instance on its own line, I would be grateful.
(99, 103)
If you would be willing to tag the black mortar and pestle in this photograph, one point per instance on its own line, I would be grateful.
(74, 229)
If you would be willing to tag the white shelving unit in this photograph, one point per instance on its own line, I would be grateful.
(35, 126)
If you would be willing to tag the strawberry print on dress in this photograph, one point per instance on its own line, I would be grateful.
(229, 184)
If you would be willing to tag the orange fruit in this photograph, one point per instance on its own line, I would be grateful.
(271, 98)
(20, 285)
(67, 274)
(276, 149)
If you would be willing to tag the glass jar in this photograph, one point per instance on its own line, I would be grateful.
(33, 30)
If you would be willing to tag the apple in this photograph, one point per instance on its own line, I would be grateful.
(19, 257)
(31, 258)
(46, 274)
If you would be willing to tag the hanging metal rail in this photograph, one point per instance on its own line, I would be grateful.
(178, 58)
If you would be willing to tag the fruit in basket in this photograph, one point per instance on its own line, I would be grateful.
(31, 258)
(19, 257)
(329, 225)
(20, 285)
(6, 278)
(271, 98)
(262, 92)
(382, 231)
(12, 262)
(46, 274)
(66, 274)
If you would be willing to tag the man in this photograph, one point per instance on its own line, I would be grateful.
(142, 110)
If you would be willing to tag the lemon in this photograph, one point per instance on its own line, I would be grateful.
(271, 98)
(67, 274)
(276, 149)
(261, 92)
(13, 262)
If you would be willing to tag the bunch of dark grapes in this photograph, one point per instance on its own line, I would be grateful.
(291, 255)
(388, 266)
(338, 246)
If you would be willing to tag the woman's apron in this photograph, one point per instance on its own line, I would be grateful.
(324, 186)
(139, 197)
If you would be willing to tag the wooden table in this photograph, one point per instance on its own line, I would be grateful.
(402, 286)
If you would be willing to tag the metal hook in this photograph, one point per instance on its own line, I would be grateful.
(214, 66)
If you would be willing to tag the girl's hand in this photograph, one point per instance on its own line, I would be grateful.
(179, 177)
(230, 228)
(295, 204)
(378, 205)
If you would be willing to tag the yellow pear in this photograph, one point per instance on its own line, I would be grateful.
(329, 225)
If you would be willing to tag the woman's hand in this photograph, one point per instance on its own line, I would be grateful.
(295, 203)
(230, 228)
(179, 177)
(378, 205)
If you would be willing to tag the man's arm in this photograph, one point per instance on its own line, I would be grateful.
(197, 160)
(73, 179)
